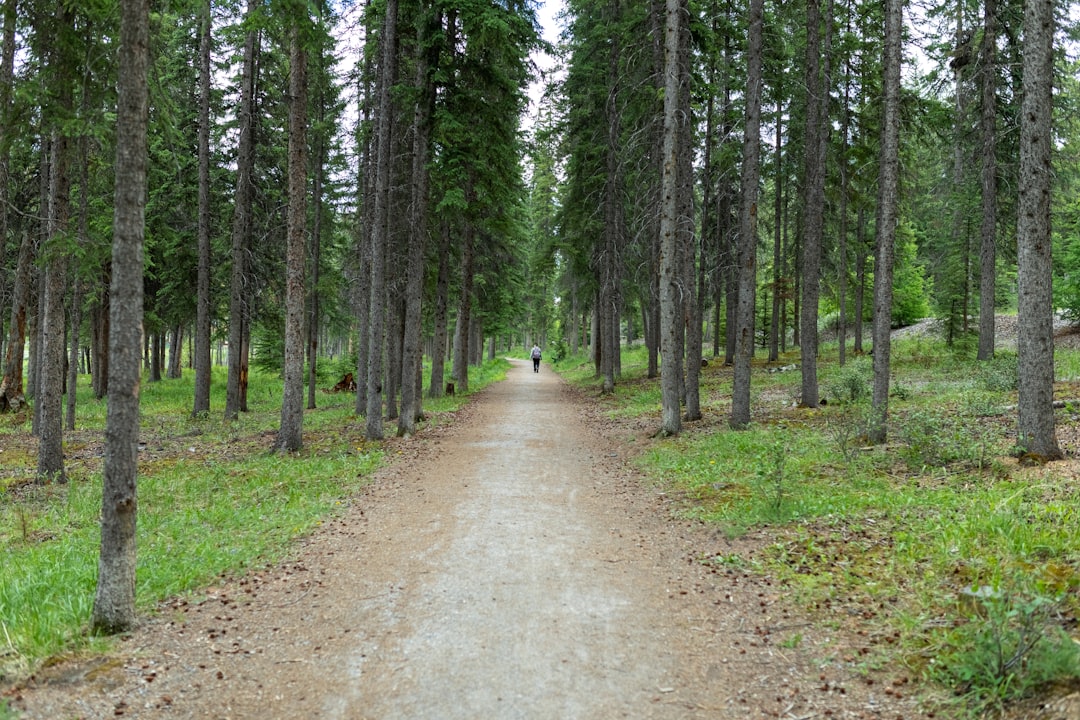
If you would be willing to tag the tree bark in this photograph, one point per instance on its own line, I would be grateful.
(817, 118)
(670, 277)
(1035, 313)
(747, 255)
(411, 349)
(442, 302)
(241, 225)
(12, 394)
(201, 405)
(50, 400)
(988, 181)
(778, 234)
(380, 228)
(114, 602)
(290, 434)
(887, 218)
(234, 399)
(7, 79)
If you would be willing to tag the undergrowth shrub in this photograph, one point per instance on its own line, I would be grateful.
(1007, 645)
(1000, 374)
(931, 440)
(852, 382)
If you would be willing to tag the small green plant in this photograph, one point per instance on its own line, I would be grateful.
(851, 383)
(937, 441)
(1007, 646)
(1000, 373)
(559, 350)
(847, 430)
(792, 642)
(772, 476)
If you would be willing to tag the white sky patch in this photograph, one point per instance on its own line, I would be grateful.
(548, 14)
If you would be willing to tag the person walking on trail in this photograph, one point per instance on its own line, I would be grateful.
(536, 358)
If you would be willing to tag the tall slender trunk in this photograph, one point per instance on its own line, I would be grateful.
(51, 313)
(241, 227)
(778, 246)
(988, 178)
(7, 77)
(114, 601)
(381, 223)
(290, 434)
(411, 350)
(670, 276)
(887, 218)
(817, 118)
(1035, 312)
(464, 311)
(201, 404)
(607, 259)
(744, 317)
(442, 303)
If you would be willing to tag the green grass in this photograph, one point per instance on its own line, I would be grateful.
(213, 501)
(890, 542)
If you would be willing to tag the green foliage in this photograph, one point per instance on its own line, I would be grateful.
(851, 383)
(1066, 241)
(909, 281)
(1007, 644)
(1000, 373)
(559, 350)
(937, 440)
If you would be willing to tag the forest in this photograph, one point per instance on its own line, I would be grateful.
(318, 190)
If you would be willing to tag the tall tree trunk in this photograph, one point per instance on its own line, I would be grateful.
(1035, 311)
(176, 342)
(411, 349)
(959, 230)
(988, 232)
(314, 306)
(670, 276)
(778, 245)
(77, 286)
(201, 405)
(53, 326)
(887, 218)
(381, 223)
(290, 435)
(817, 118)
(464, 312)
(12, 394)
(607, 259)
(860, 278)
(241, 225)
(7, 79)
(366, 163)
(114, 602)
(747, 255)
(693, 286)
(442, 303)
(100, 312)
(842, 231)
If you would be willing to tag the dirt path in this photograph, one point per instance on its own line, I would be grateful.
(508, 566)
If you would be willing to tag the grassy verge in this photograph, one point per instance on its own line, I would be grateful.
(939, 551)
(212, 501)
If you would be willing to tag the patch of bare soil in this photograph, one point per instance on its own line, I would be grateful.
(511, 565)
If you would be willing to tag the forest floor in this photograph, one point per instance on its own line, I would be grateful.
(513, 564)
